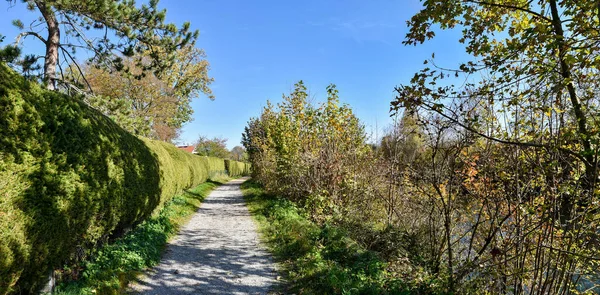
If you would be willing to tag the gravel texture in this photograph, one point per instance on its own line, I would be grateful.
(217, 252)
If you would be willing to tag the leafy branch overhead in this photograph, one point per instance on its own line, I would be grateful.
(109, 30)
(528, 56)
(521, 118)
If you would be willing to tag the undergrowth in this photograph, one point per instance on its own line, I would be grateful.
(115, 264)
(317, 259)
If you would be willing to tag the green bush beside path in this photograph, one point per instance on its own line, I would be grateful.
(70, 178)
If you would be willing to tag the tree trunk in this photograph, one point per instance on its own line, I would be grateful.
(589, 181)
(52, 44)
(449, 250)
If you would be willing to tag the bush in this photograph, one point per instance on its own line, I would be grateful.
(317, 259)
(310, 154)
(235, 168)
(185, 169)
(70, 178)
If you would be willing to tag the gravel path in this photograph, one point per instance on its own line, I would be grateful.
(217, 252)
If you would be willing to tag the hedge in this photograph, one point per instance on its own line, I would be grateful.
(186, 169)
(235, 168)
(70, 178)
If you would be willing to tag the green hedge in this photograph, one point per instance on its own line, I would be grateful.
(216, 166)
(235, 168)
(186, 169)
(71, 178)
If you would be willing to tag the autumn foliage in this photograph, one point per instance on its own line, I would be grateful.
(306, 152)
(448, 211)
(488, 181)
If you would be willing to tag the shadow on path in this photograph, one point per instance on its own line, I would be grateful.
(217, 252)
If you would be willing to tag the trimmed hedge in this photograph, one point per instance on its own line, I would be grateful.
(216, 166)
(187, 169)
(71, 178)
(235, 168)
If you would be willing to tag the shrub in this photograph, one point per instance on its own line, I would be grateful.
(216, 166)
(70, 178)
(317, 259)
(310, 154)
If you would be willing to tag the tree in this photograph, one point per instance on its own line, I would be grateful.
(152, 105)
(529, 97)
(8, 53)
(539, 57)
(11, 55)
(399, 150)
(254, 134)
(403, 141)
(308, 153)
(124, 30)
(238, 153)
(216, 147)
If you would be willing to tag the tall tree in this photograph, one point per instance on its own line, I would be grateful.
(216, 147)
(150, 105)
(238, 153)
(530, 93)
(537, 63)
(121, 27)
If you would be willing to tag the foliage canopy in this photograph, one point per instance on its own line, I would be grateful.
(154, 106)
(109, 30)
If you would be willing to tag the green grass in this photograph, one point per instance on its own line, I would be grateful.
(316, 259)
(115, 264)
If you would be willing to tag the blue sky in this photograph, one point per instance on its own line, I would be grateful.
(259, 49)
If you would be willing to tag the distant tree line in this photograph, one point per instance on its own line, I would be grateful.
(217, 147)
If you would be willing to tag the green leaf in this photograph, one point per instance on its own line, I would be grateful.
(18, 23)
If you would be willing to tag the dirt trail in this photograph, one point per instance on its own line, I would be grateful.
(217, 252)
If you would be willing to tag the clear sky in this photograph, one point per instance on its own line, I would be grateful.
(259, 49)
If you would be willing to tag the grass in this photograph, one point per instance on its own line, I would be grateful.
(115, 264)
(316, 259)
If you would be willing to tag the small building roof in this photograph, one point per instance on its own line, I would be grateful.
(187, 148)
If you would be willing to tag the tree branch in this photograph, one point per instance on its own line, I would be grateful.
(87, 41)
(25, 34)
(515, 143)
(78, 68)
(523, 9)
